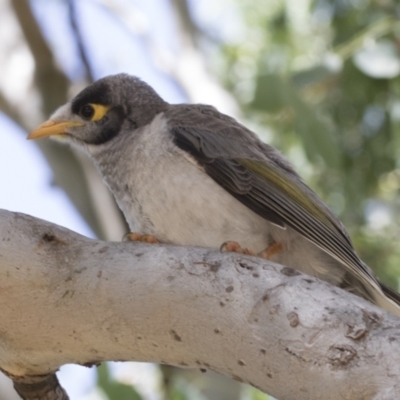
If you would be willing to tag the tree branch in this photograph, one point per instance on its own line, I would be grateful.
(74, 22)
(7, 108)
(67, 299)
(39, 388)
(204, 88)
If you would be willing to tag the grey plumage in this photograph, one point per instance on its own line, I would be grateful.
(190, 175)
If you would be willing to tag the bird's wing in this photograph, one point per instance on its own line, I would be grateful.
(257, 176)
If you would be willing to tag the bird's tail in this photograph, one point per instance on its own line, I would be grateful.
(388, 299)
(375, 291)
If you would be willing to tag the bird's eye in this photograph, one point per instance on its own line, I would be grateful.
(87, 111)
(93, 112)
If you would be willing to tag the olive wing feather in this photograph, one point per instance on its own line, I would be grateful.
(257, 176)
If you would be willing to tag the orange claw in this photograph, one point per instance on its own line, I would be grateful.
(235, 248)
(271, 250)
(138, 237)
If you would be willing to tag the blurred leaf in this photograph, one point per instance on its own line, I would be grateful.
(258, 395)
(181, 389)
(114, 390)
(177, 394)
(379, 60)
(312, 76)
(373, 31)
(273, 93)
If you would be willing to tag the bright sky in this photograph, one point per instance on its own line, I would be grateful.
(26, 182)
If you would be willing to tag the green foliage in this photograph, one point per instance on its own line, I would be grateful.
(325, 77)
(258, 395)
(275, 94)
(180, 389)
(112, 389)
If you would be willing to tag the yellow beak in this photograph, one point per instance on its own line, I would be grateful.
(52, 128)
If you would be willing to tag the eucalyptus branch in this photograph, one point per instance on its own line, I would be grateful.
(73, 19)
(68, 299)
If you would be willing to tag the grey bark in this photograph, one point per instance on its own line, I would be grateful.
(67, 299)
(39, 388)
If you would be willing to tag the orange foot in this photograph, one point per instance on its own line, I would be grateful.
(235, 248)
(271, 250)
(138, 237)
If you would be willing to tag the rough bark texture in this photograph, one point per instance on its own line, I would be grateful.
(40, 388)
(67, 299)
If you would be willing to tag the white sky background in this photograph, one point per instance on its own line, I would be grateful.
(25, 178)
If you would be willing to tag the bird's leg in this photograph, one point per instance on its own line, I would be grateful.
(271, 250)
(138, 237)
(267, 253)
(235, 248)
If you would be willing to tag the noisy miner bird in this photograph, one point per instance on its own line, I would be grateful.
(190, 175)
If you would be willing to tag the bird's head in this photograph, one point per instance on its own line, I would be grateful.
(114, 104)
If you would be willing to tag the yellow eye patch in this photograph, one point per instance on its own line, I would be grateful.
(93, 112)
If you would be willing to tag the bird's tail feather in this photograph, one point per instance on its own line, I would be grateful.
(388, 299)
(374, 291)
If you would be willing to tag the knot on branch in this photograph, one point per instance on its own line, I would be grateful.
(43, 387)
